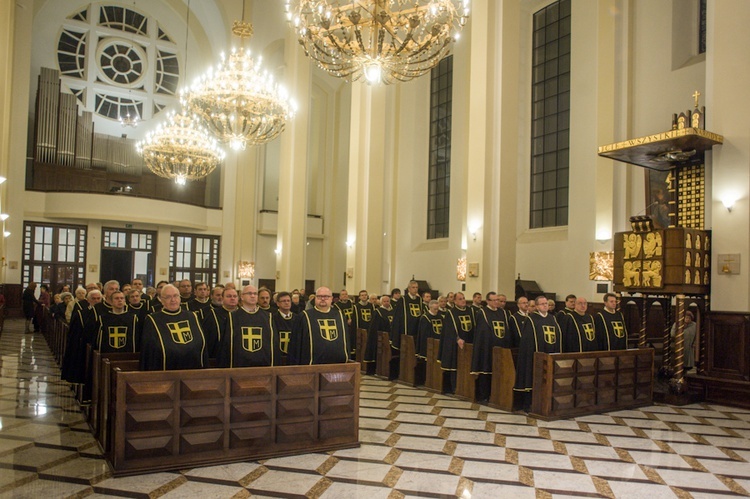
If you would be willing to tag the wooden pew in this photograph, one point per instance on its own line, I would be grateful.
(171, 420)
(465, 382)
(573, 384)
(361, 337)
(94, 416)
(434, 378)
(383, 365)
(106, 397)
(503, 378)
(408, 360)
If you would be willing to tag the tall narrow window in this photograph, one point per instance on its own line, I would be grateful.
(194, 257)
(441, 111)
(54, 254)
(702, 27)
(550, 115)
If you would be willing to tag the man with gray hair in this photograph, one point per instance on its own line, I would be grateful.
(172, 337)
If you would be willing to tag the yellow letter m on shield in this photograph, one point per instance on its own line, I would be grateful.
(181, 332)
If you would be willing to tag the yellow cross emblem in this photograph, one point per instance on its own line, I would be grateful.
(549, 334)
(437, 326)
(348, 312)
(366, 314)
(284, 340)
(499, 329)
(181, 332)
(328, 330)
(118, 336)
(390, 319)
(588, 330)
(415, 309)
(252, 338)
(466, 324)
(619, 328)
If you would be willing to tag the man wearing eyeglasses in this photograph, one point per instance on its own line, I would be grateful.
(319, 336)
(172, 337)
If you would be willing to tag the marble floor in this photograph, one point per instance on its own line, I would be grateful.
(414, 443)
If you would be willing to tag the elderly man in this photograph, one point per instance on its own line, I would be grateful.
(363, 311)
(83, 324)
(106, 304)
(250, 338)
(319, 336)
(172, 337)
(610, 325)
(381, 321)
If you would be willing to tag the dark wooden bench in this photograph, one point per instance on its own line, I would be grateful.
(408, 360)
(434, 377)
(383, 363)
(574, 384)
(170, 420)
(465, 381)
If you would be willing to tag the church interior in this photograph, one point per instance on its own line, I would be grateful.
(553, 142)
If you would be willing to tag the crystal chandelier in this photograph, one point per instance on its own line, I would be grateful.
(180, 149)
(384, 40)
(238, 103)
(129, 121)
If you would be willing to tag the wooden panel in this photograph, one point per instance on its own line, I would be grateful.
(359, 354)
(725, 377)
(572, 384)
(465, 381)
(169, 420)
(503, 378)
(408, 360)
(383, 365)
(434, 378)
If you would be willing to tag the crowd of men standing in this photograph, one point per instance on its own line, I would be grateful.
(186, 326)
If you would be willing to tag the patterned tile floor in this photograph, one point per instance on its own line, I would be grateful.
(414, 443)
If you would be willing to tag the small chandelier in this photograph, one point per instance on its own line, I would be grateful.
(384, 40)
(180, 149)
(238, 103)
(129, 121)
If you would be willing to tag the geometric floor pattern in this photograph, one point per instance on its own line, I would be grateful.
(413, 443)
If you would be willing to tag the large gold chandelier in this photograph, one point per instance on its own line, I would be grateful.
(180, 149)
(384, 40)
(238, 103)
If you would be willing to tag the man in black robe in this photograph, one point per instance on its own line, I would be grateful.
(172, 338)
(250, 338)
(458, 329)
(283, 319)
(118, 327)
(541, 333)
(264, 300)
(519, 318)
(579, 332)
(493, 329)
(362, 317)
(610, 325)
(214, 322)
(319, 335)
(201, 299)
(346, 306)
(83, 323)
(430, 326)
(106, 304)
(381, 321)
(406, 316)
(186, 291)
